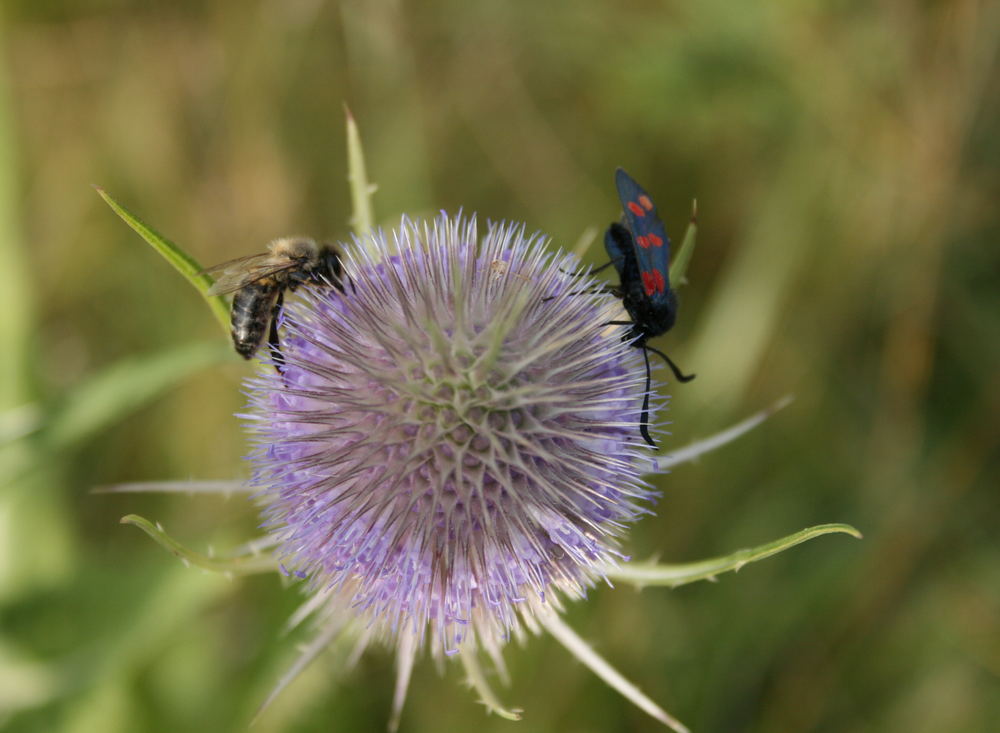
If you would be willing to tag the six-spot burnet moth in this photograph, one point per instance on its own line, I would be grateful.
(640, 251)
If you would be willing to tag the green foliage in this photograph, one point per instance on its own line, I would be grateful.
(239, 565)
(679, 265)
(647, 574)
(363, 218)
(180, 260)
(105, 398)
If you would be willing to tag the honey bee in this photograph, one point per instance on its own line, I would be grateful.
(260, 281)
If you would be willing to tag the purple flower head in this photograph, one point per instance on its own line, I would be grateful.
(453, 445)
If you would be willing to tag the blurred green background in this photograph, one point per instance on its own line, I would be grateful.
(845, 159)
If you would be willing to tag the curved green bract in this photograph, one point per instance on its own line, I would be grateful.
(678, 268)
(362, 218)
(672, 576)
(244, 565)
(477, 679)
(181, 261)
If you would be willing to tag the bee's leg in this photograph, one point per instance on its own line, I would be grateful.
(273, 342)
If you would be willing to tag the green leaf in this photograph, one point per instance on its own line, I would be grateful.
(240, 565)
(99, 402)
(678, 268)
(362, 218)
(104, 399)
(181, 261)
(672, 576)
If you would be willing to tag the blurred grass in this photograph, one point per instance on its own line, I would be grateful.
(845, 160)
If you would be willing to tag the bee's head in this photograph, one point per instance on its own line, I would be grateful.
(328, 266)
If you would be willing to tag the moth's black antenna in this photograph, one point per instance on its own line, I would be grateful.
(644, 420)
(681, 377)
(581, 273)
(600, 290)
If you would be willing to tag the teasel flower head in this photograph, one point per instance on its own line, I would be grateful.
(450, 449)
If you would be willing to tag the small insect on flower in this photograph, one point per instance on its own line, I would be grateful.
(640, 252)
(499, 269)
(260, 281)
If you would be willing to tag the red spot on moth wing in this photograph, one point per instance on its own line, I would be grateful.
(661, 284)
(654, 240)
(642, 241)
(635, 208)
(646, 203)
(648, 283)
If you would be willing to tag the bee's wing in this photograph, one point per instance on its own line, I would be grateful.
(235, 262)
(235, 274)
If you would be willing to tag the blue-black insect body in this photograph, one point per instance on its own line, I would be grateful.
(640, 251)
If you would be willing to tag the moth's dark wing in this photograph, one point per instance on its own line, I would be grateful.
(618, 245)
(236, 274)
(652, 246)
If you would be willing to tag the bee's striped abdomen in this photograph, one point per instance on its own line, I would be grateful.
(251, 315)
